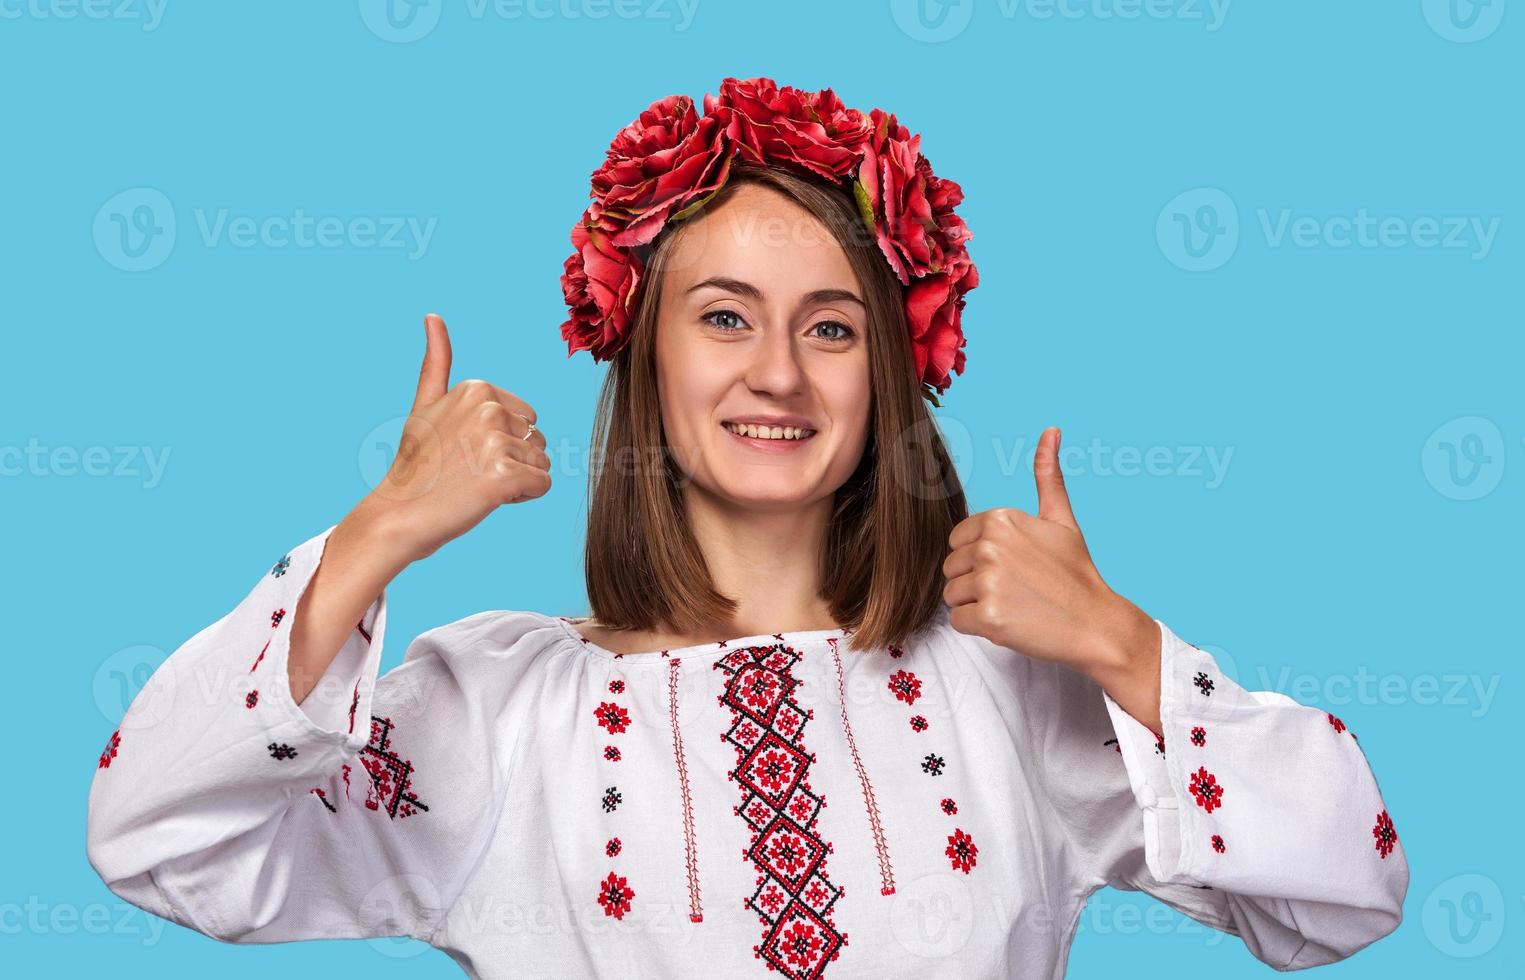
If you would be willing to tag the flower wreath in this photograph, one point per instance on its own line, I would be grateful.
(666, 164)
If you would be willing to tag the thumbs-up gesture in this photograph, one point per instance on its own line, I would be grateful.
(1027, 583)
(464, 452)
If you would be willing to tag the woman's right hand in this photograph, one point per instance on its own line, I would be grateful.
(462, 454)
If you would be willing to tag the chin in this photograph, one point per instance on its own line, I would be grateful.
(764, 493)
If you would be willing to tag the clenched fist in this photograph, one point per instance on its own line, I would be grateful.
(1027, 582)
(464, 452)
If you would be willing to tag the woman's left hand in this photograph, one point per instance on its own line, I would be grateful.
(1028, 583)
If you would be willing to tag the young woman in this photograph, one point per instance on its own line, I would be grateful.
(823, 721)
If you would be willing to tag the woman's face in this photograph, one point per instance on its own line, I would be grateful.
(762, 325)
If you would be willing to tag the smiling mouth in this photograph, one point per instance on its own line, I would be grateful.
(781, 433)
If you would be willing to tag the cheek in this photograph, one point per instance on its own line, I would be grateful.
(686, 388)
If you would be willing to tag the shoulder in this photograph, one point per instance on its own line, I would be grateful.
(492, 637)
(489, 660)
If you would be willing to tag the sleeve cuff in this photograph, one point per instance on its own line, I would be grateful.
(1154, 774)
(337, 709)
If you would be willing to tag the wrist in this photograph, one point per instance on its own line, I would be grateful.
(374, 530)
(1127, 644)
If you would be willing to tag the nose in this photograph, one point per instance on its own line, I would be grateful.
(775, 368)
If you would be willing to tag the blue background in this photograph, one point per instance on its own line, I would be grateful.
(1366, 397)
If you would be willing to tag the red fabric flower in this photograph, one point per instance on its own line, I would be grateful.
(1385, 834)
(667, 159)
(598, 284)
(780, 124)
(1204, 786)
(934, 308)
(912, 208)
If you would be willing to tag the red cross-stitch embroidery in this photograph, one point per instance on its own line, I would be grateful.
(614, 894)
(906, 686)
(875, 822)
(794, 898)
(1218, 843)
(109, 752)
(354, 702)
(1204, 786)
(1199, 736)
(391, 789)
(961, 850)
(251, 699)
(1385, 834)
(690, 849)
(612, 717)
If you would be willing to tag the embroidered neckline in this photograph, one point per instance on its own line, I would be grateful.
(699, 651)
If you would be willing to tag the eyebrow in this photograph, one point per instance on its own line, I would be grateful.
(750, 291)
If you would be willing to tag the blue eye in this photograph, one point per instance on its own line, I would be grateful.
(846, 331)
(712, 318)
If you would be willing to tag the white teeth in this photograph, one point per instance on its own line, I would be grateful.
(767, 432)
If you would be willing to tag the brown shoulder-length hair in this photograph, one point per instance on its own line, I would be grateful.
(881, 566)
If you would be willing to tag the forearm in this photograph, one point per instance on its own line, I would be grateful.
(1128, 663)
(357, 565)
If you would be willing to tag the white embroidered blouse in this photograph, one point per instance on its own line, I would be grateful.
(537, 806)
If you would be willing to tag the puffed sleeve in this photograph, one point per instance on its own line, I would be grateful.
(221, 804)
(1250, 812)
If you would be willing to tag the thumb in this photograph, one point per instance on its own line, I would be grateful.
(1053, 498)
(434, 375)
